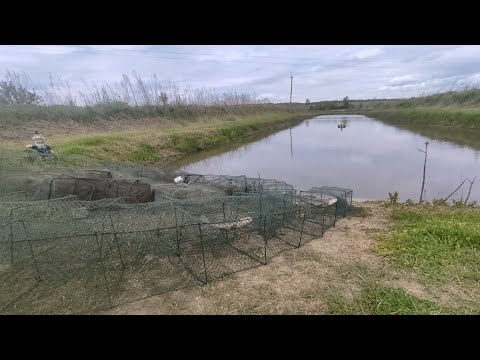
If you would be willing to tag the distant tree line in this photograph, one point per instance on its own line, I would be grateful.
(329, 105)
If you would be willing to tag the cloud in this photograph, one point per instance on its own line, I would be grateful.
(403, 80)
(320, 72)
(117, 47)
(26, 50)
(265, 95)
(54, 49)
(367, 53)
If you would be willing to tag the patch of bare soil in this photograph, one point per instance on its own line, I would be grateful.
(296, 281)
(70, 128)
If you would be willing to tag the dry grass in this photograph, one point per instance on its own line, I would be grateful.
(298, 281)
(149, 141)
(339, 273)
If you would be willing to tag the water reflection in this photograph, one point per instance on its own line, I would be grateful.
(459, 136)
(291, 145)
(373, 160)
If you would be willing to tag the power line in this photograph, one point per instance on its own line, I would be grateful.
(357, 61)
(267, 56)
(147, 53)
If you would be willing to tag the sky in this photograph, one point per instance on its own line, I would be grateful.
(320, 72)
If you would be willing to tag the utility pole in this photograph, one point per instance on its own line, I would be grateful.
(291, 87)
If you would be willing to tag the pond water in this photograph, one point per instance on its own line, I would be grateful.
(367, 155)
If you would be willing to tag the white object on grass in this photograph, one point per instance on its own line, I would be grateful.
(332, 201)
(318, 201)
(234, 224)
(178, 179)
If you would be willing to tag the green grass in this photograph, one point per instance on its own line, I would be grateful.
(442, 244)
(448, 116)
(211, 135)
(465, 98)
(453, 108)
(110, 147)
(162, 145)
(458, 126)
(91, 145)
(376, 299)
(145, 153)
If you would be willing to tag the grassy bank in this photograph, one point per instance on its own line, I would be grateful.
(165, 144)
(19, 121)
(432, 265)
(453, 108)
(159, 134)
(458, 135)
(441, 243)
(438, 116)
(376, 299)
(398, 259)
(18, 115)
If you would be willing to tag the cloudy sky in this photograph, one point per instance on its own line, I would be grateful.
(321, 72)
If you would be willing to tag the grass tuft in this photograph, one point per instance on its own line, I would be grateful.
(376, 299)
(442, 243)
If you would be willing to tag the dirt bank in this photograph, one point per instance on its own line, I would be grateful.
(296, 282)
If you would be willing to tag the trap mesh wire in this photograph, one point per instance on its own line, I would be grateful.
(15, 196)
(344, 197)
(65, 255)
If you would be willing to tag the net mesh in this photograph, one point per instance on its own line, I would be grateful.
(63, 252)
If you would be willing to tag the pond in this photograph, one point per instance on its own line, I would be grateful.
(356, 152)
